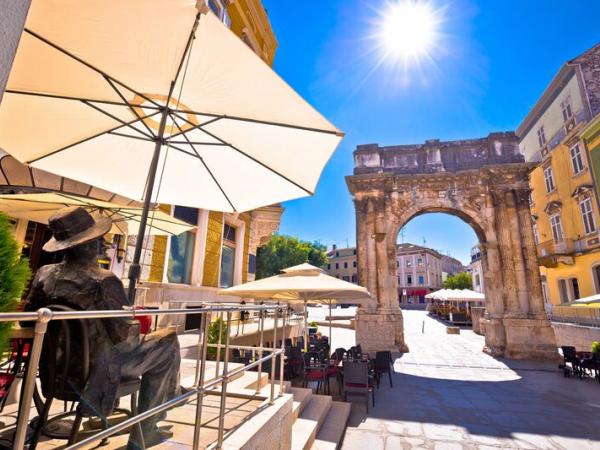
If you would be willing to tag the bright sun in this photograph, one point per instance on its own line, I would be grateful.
(408, 30)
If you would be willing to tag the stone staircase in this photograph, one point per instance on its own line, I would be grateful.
(319, 422)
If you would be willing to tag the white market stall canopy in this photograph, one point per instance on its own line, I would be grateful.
(456, 295)
(95, 89)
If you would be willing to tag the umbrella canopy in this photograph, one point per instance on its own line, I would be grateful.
(158, 100)
(593, 301)
(125, 218)
(305, 284)
(302, 283)
(235, 136)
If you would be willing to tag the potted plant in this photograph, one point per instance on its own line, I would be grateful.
(312, 328)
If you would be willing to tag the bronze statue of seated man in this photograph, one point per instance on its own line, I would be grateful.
(118, 351)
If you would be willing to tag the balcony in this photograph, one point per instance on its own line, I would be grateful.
(551, 253)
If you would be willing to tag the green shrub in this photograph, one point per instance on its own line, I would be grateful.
(595, 347)
(213, 337)
(313, 324)
(14, 275)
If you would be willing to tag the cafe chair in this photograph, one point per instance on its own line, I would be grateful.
(383, 364)
(315, 370)
(570, 357)
(357, 381)
(63, 378)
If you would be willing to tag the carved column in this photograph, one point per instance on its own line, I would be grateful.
(380, 326)
(529, 335)
(495, 338)
(518, 266)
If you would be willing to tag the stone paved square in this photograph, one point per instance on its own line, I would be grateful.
(448, 394)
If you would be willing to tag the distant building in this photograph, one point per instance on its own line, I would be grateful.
(342, 264)
(476, 270)
(419, 270)
(451, 266)
(419, 273)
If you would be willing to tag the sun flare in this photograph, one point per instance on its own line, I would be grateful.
(408, 30)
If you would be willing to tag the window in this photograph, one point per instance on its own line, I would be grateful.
(337, 265)
(420, 261)
(216, 6)
(354, 278)
(576, 159)
(345, 265)
(337, 254)
(181, 254)
(421, 280)
(227, 256)
(541, 136)
(587, 215)
(574, 288)
(353, 263)
(549, 178)
(567, 111)
(408, 262)
(536, 234)
(409, 280)
(477, 280)
(563, 291)
(346, 278)
(354, 252)
(555, 224)
(596, 274)
(328, 266)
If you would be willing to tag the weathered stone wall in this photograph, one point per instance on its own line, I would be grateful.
(578, 336)
(12, 19)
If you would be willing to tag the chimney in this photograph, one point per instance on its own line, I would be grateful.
(333, 247)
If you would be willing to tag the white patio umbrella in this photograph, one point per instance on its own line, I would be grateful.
(304, 284)
(157, 100)
(126, 218)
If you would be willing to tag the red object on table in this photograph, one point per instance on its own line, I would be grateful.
(145, 322)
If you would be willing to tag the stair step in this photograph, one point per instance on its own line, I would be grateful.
(332, 430)
(307, 425)
(301, 398)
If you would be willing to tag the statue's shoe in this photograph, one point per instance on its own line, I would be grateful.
(151, 438)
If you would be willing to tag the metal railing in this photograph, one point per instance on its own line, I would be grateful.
(43, 316)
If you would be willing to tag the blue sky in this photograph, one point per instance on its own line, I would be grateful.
(492, 60)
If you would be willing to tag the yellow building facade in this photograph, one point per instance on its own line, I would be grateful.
(564, 200)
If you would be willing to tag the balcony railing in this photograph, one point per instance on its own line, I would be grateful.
(200, 387)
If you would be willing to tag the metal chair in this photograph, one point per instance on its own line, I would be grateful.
(570, 357)
(357, 381)
(383, 364)
(63, 377)
(315, 370)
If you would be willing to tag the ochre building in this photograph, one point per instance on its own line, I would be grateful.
(564, 200)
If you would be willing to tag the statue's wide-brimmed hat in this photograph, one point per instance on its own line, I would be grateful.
(74, 226)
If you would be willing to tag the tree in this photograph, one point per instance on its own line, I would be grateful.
(285, 251)
(459, 281)
(14, 275)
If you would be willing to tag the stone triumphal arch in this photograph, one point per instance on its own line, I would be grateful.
(484, 182)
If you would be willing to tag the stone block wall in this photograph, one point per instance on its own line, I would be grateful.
(578, 336)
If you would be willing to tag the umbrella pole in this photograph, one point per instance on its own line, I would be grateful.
(305, 327)
(134, 268)
(330, 336)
